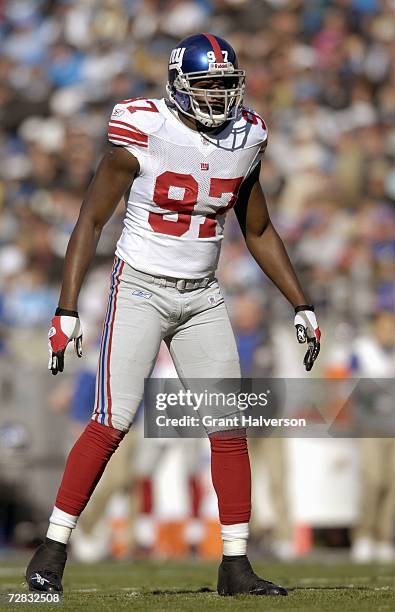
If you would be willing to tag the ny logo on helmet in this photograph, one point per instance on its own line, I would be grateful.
(176, 56)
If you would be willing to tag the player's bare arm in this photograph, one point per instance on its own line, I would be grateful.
(113, 177)
(267, 248)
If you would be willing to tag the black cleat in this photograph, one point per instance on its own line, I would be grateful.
(235, 575)
(45, 570)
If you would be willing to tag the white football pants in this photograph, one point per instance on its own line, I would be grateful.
(141, 313)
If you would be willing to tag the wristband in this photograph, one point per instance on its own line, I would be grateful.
(304, 307)
(66, 313)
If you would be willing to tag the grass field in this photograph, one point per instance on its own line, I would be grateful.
(190, 586)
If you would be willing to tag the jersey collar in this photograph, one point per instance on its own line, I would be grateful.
(199, 139)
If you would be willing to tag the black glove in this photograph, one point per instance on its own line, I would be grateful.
(307, 330)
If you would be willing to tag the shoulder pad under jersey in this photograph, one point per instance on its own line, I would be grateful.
(257, 129)
(133, 120)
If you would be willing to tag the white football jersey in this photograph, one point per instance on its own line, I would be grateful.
(187, 182)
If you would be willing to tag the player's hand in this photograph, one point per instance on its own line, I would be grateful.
(307, 330)
(65, 327)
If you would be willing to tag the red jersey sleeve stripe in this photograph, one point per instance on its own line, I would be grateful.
(215, 45)
(126, 141)
(126, 125)
(118, 131)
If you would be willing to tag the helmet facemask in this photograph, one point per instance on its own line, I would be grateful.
(211, 106)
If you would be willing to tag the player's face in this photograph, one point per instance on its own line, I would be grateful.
(216, 98)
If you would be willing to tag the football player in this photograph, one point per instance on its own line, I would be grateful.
(182, 162)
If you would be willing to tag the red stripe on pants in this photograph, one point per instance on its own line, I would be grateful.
(99, 372)
(109, 398)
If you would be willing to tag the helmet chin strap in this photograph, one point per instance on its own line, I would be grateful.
(213, 120)
(210, 122)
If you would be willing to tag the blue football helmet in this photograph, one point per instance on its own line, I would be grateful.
(207, 59)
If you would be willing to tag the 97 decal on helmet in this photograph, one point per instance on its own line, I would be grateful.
(65, 327)
(199, 61)
(307, 330)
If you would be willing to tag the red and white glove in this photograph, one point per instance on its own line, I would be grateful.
(65, 327)
(307, 330)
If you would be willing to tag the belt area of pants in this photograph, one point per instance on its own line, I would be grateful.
(182, 284)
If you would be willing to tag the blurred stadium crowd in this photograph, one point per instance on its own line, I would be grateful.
(320, 72)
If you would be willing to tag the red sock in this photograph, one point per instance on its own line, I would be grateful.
(196, 496)
(85, 465)
(231, 474)
(145, 495)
